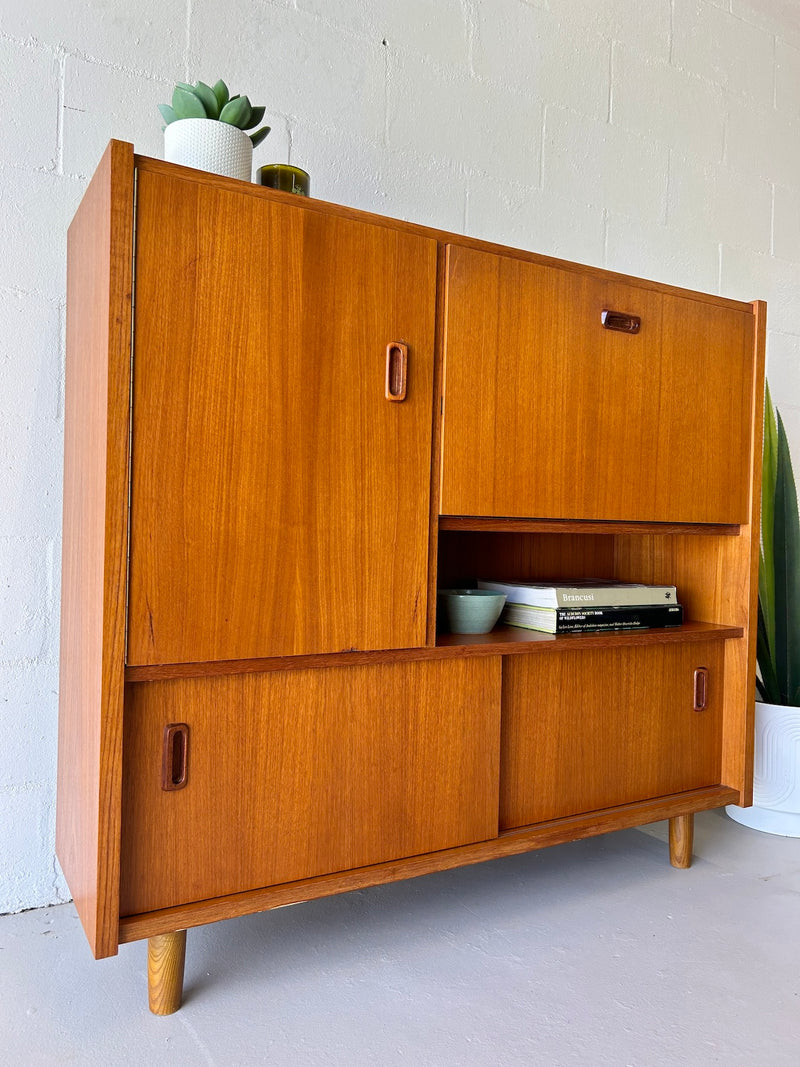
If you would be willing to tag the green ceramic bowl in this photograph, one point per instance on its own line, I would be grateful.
(471, 611)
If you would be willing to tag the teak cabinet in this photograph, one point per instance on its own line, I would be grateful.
(287, 423)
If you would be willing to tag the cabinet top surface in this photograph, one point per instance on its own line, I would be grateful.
(444, 237)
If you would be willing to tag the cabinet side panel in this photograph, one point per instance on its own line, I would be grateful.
(95, 546)
(739, 734)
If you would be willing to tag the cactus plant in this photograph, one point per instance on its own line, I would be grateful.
(201, 101)
(779, 570)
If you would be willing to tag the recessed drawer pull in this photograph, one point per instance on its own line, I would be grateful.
(396, 371)
(618, 320)
(700, 689)
(175, 761)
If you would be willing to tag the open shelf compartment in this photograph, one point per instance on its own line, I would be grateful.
(709, 565)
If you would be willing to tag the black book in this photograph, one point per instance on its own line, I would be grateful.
(575, 620)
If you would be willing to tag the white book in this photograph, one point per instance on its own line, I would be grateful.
(583, 593)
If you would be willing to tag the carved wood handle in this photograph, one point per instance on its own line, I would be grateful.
(700, 689)
(619, 320)
(175, 760)
(396, 370)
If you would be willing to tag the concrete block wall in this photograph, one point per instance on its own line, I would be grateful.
(658, 138)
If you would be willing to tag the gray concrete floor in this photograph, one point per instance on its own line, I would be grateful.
(591, 953)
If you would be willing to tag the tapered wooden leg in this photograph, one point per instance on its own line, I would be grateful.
(681, 840)
(166, 954)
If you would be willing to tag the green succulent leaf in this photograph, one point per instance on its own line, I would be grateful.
(208, 98)
(202, 101)
(220, 91)
(778, 634)
(769, 468)
(237, 112)
(787, 574)
(187, 105)
(167, 113)
(256, 115)
(767, 681)
(259, 135)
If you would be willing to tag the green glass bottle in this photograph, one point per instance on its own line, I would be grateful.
(286, 178)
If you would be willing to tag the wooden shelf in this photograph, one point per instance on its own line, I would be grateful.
(503, 640)
(479, 523)
(515, 639)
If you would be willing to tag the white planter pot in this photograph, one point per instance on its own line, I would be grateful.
(206, 144)
(776, 786)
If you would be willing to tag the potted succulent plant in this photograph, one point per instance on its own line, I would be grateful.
(207, 128)
(776, 792)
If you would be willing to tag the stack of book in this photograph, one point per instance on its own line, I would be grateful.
(596, 604)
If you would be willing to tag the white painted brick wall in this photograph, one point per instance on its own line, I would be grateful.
(658, 138)
(433, 28)
(737, 205)
(550, 221)
(645, 27)
(728, 51)
(778, 17)
(450, 115)
(787, 78)
(668, 104)
(615, 169)
(540, 56)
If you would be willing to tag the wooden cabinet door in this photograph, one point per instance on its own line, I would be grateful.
(294, 774)
(550, 415)
(587, 730)
(280, 502)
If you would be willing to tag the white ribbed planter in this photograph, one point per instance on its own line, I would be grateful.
(776, 785)
(209, 145)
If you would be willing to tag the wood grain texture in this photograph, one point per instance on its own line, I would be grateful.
(482, 524)
(281, 519)
(166, 957)
(296, 774)
(739, 734)
(589, 730)
(146, 164)
(717, 580)
(549, 415)
(503, 640)
(714, 578)
(436, 443)
(94, 546)
(515, 640)
(510, 843)
(681, 840)
(737, 596)
(511, 556)
(280, 504)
